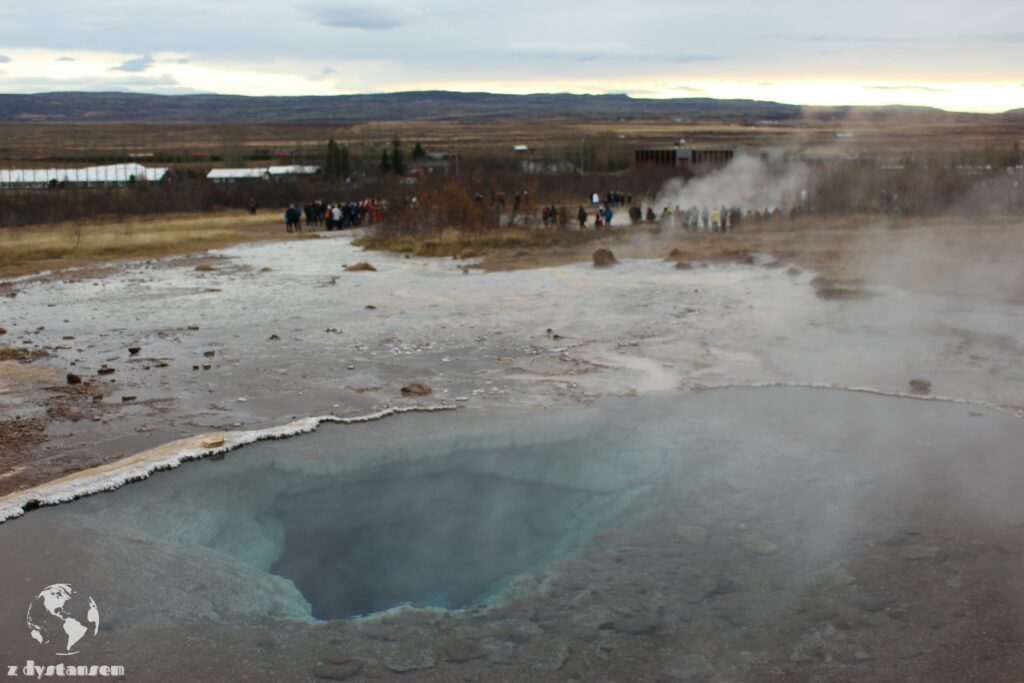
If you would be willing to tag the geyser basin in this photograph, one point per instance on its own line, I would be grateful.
(442, 540)
(782, 534)
(359, 528)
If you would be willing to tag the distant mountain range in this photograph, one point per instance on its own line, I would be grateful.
(404, 106)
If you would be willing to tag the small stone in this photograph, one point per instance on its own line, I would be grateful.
(339, 672)
(417, 390)
(134, 350)
(128, 399)
(3, 330)
(106, 371)
(756, 544)
(209, 354)
(361, 267)
(73, 378)
(274, 337)
(193, 328)
(403, 662)
(694, 535)
(371, 307)
(604, 258)
(206, 366)
(684, 265)
(920, 386)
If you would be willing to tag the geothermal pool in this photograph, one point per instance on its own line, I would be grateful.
(740, 534)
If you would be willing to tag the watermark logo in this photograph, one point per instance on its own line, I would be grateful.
(62, 620)
(61, 617)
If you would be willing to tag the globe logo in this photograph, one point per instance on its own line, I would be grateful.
(61, 617)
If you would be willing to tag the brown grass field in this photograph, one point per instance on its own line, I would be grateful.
(35, 249)
(30, 143)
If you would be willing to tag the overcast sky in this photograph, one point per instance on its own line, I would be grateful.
(953, 54)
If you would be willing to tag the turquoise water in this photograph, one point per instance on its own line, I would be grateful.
(812, 533)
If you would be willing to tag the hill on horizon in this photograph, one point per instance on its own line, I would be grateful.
(59, 107)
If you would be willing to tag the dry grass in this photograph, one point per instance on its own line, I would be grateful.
(44, 247)
(507, 249)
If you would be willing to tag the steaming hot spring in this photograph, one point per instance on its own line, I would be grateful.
(709, 536)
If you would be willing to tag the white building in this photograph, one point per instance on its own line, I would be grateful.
(232, 175)
(113, 175)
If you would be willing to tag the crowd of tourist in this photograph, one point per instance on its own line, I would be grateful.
(334, 216)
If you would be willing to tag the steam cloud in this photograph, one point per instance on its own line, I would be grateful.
(749, 183)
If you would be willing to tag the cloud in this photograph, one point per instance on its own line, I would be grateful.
(826, 38)
(163, 85)
(4, 59)
(181, 60)
(919, 88)
(379, 16)
(65, 58)
(135, 65)
(605, 51)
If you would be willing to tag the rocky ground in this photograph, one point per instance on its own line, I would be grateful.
(257, 334)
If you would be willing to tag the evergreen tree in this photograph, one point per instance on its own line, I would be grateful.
(397, 158)
(345, 164)
(385, 163)
(332, 165)
(418, 152)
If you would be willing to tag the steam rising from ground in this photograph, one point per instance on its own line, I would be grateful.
(749, 183)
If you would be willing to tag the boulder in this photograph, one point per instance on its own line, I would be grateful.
(604, 258)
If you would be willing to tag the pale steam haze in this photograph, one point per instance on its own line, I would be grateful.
(951, 54)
